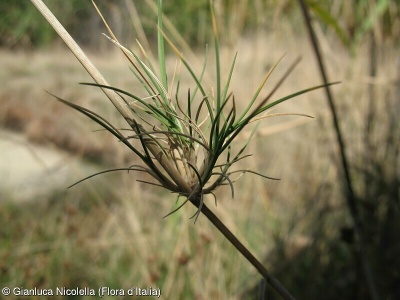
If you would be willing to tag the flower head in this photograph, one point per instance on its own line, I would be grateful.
(185, 142)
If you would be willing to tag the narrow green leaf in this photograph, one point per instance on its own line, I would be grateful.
(249, 106)
(160, 43)
(229, 77)
(262, 109)
(217, 66)
(186, 64)
(201, 75)
(156, 112)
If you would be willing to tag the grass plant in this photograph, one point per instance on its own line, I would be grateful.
(185, 146)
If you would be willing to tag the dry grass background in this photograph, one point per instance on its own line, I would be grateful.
(88, 236)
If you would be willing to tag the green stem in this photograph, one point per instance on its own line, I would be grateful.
(272, 281)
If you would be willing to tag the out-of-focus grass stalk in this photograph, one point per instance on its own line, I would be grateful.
(351, 197)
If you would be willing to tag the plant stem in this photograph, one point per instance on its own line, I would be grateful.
(272, 281)
(350, 195)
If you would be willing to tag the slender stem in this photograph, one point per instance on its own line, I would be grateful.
(351, 197)
(272, 281)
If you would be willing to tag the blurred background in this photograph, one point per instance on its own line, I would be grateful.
(110, 230)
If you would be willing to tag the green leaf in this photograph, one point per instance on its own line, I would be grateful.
(251, 103)
(160, 43)
(217, 63)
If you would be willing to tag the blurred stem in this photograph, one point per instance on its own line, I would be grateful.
(371, 106)
(272, 281)
(350, 195)
(372, 74)
(370, 117)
